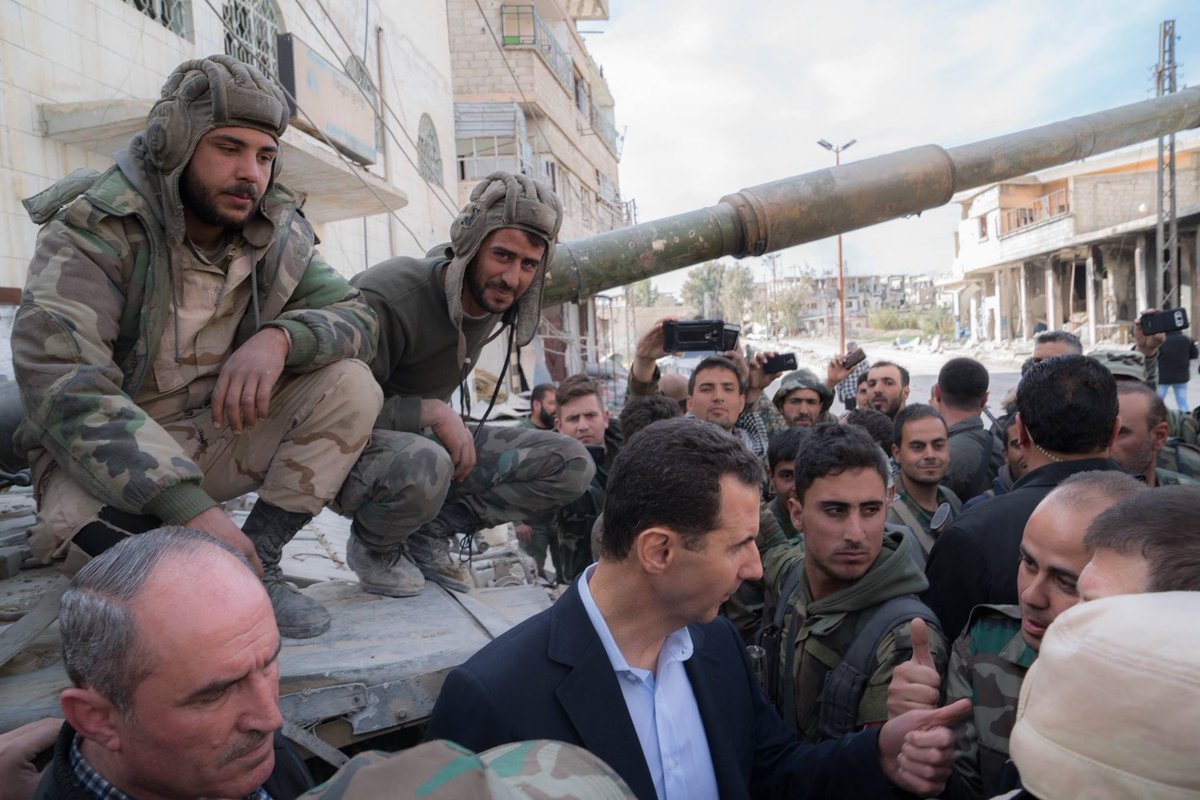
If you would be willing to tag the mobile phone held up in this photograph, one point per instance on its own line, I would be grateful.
(699, 335)
(1171, 319)
(779, 363)
(853, 358)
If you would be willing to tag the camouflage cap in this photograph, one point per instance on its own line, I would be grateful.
(803, 379)
(1140, 740)
(441, 770)
(1123, 364)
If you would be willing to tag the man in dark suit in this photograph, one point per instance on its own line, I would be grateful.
(634, 664)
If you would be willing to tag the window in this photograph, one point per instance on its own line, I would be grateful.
(583, 95)
(429, 154)
(250, 30)
(983, 234)
(171, 13)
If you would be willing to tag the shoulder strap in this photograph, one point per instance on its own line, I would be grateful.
(844, 685)
(910, 520)
(778, 646)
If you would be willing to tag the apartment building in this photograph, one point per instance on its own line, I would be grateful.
(1073, 247)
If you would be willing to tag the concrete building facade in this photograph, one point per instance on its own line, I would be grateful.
(528, 97)
(77, 78)
(1073, 247)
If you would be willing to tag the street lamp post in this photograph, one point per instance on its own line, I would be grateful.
(837, 160)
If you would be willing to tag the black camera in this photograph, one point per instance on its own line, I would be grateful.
(701, 335)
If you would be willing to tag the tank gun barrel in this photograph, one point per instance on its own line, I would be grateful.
(784, 213)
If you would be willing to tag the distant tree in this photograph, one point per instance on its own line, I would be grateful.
(793, 301)
(702, 289)
(737, 289)
(644, 294)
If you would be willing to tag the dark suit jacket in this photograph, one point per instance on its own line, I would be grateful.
(549, 678)
(975, 560)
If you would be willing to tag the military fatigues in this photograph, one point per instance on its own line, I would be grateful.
(907, 511)
(574, 522)
(745, 607)
(1181, 457)
(826, 628)
(119, 341)
(543, 538)
(405, 474)
(988, 665)
(777, 506)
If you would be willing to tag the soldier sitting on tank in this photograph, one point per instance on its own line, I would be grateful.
(989, 660)
(181, 342)
(921, 449)
(730, 394)
(583, 417)
(854, 591)
(171, 647)
(426, 476)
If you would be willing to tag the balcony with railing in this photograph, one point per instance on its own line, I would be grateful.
(606, 129)
(1043, 209)
(521, 26)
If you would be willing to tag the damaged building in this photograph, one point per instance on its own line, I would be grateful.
(1073, 247)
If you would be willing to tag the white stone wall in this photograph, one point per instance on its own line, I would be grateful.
(1101, 201)
(63, 51)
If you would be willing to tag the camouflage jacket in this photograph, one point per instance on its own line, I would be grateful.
(906, 511)
(987, 665)
(100, 290)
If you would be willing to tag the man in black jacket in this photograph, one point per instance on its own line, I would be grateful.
(172, 650)
(1174, 367)
(1067, 419)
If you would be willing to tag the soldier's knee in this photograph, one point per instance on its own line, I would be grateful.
(578, 468)
(354, 391)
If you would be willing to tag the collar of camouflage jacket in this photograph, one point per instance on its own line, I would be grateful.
(894, 573)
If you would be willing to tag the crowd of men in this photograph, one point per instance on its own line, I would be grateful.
(764, 600)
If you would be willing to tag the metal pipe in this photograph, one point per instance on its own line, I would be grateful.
(805, 208)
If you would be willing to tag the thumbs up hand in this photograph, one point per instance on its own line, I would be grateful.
(915, 683)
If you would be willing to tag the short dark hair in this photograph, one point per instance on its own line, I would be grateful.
(904, 377)
(718, 362)
(831, 449)
(862, 378)
(963, 383)
(912, 413)
(1065, 337)
(1156, 409)
(877, 424)
(641, 411)
(1161, 526)
(785, 444)
(1068, 404)
(670, 475)
(575, 386)
(540, 391)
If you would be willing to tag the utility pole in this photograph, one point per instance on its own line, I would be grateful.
(1166, 232)
(774, 295)
(841, 291)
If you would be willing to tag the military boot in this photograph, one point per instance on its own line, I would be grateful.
(430, 546)
(269, 528)
(388, 573)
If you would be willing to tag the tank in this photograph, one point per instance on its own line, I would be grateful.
(380, 667)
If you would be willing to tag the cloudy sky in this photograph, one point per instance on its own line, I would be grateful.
(714, 96)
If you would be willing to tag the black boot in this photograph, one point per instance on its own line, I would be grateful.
(269, 528)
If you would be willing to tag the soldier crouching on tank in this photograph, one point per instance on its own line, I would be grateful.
(180, 341)
(425, 476)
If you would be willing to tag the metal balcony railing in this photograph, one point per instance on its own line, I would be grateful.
(604, 127)
(521, 27)
(1044, 208)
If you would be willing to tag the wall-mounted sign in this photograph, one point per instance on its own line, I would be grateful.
(334, 103)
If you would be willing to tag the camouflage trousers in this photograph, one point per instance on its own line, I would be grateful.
(402, 480)
(296, 458)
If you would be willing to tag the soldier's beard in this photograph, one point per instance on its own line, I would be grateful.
(546, 419)
(202, 201)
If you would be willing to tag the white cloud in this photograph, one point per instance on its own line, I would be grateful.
(717, 96)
